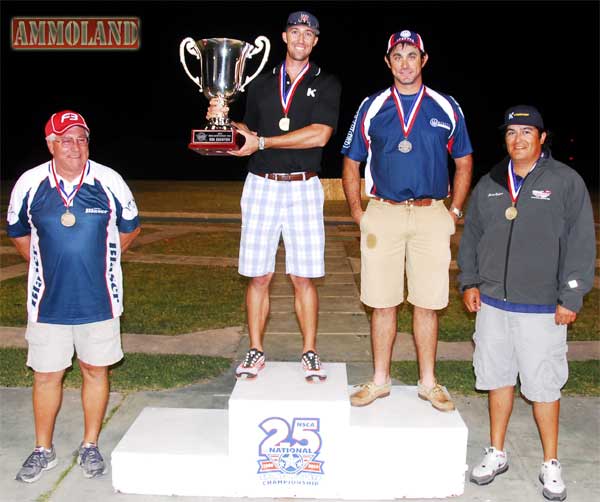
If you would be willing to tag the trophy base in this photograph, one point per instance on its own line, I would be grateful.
(215, 141)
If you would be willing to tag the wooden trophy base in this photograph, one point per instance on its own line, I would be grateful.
(216, 141)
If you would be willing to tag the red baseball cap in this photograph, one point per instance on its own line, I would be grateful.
(405, 37)
(61, 122)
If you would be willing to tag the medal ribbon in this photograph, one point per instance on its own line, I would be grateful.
(287, 95)
(408, 123)
(67, 199)
(514, 185)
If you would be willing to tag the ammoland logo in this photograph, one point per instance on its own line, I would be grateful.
(80, 33)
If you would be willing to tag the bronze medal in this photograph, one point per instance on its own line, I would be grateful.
(405, 146)
(511, 213)
(67, 219)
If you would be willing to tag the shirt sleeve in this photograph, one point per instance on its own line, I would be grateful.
(18, 224)
(576, 274)
(127, 211)
(355, 145)
(467, 259)
(326, 109)
(460, 143)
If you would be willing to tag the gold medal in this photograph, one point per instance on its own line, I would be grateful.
(284, 124)
(67, 219)
(405, 146)
(511, 213)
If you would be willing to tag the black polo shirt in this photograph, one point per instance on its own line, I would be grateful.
(316, 101)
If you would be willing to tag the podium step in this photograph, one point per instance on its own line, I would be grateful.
(283, 437)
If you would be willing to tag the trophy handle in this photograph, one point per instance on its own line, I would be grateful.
(190, 44)
(260, 44)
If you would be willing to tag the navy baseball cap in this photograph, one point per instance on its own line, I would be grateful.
(305, 18)
(523, 115)
(405, 37)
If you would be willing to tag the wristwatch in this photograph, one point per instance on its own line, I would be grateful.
(457, 212)
(261, 142)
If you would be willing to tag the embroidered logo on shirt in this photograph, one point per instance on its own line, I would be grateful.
(438, 123)
(95, 210)
(495, 194)
(541, 194)
(311, 92)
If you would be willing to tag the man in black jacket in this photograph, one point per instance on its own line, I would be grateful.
(527, 258)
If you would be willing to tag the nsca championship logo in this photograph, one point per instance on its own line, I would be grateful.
(290, 450)
(80, 33)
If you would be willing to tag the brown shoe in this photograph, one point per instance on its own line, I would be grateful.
(437, 395)
(368, 392)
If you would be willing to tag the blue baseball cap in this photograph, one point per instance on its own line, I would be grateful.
(305, 18)
(405, 37)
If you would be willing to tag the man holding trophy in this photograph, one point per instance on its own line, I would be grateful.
(291, 113)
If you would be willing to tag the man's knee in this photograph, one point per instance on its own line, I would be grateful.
(48, 378)
(90, 372)
(301, 283)
(261, 282)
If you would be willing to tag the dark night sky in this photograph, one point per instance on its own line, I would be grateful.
(141, 106)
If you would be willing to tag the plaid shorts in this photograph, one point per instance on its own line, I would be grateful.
(292, 209)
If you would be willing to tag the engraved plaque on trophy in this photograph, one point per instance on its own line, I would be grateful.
(222, 62)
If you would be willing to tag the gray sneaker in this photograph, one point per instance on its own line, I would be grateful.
(90, 460)
(40, 460)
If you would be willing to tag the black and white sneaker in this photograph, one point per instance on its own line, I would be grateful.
(311, 364)
(251, 365)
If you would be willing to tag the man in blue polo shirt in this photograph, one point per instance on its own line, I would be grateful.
(71, 218)
(404, 134)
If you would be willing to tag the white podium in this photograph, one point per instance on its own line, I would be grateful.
(283, 437)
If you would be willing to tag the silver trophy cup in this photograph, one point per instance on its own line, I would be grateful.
(222, 62)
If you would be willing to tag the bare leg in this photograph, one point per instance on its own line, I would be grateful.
(546, 417)
(306, 303)
(47, 398)
(383, 335)
(94, 398)
(425, 329)
(500, 403)
(257, 308)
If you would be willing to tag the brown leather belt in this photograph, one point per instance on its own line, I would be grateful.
(288, 177)
(408, 202)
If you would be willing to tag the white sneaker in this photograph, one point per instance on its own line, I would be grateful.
(494, 462)
(551, 478)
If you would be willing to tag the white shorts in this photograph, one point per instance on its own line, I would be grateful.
(51, 346)
(292, 209)
(531, 346)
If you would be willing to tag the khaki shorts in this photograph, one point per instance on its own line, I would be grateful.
(51, 346)
(394, 236)
(531, 346)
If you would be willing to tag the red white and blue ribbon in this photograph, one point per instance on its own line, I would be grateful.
(514, 184)
(67, 198)
(286, 95)
(408, 120)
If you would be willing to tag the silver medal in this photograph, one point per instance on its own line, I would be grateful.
(405, 146)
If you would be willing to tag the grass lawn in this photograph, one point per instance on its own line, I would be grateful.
(159, 299)
(135, 372)
(458, 376)
(224, 244)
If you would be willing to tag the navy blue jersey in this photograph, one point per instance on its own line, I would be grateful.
(439, 129)
(75, 272)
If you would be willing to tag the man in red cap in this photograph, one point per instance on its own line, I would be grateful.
(71, 218)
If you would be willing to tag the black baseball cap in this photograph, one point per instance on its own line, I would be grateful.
(523, 115)
(305, 18)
